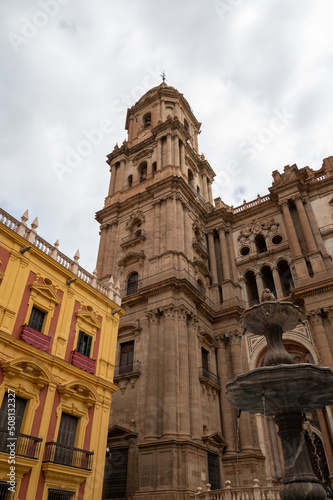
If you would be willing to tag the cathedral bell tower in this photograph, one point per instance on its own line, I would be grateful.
(166, 417)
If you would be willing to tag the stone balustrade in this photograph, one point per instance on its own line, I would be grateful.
(111, 290)
(256, 492)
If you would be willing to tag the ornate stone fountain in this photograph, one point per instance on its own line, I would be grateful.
(285, 391)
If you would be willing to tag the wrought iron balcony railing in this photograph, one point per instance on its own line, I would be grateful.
(25, 446)
(203, 372)
(62, 454)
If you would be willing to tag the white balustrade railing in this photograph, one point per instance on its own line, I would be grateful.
(109, 290)
(256, 492)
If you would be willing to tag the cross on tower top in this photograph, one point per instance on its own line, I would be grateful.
(163, 75)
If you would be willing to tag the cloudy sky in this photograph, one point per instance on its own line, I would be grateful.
(258, 74)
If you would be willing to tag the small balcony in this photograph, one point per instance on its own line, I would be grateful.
(57, 453)
(25, 446)
(207, 376)
(127, 371)
(200, 247)
(134, 238)
(84, 362)
(36, 338)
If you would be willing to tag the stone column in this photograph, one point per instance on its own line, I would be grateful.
(183, 378)
(180, 225)
(152, 392)
(195, 410)
(242, 282)
(170, 381)
(130, 128)
(162, 110)
(227, 410)
(204, 187)
(113, 179)
(157, 228)
(260, 286)
(168, 155)
(233, 258)
(188, 233)
(110, 249)
(212, 257)
(224, 254)
(277, 283)
(101, 251)
(159, 155)
(171, 216)
(182, 158)
(305, 225)
(245, 431)
(176, 143)
(210, 194)
(291, 232)
(321, 339)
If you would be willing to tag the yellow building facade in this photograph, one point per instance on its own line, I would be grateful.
(58, 334)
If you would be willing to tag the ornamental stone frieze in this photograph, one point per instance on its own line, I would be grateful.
(265, 227)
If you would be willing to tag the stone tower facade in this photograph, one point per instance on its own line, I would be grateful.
(187, 268)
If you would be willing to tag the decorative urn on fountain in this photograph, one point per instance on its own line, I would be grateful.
(285, 391)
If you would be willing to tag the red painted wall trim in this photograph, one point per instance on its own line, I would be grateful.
(24, 485)
(53, 419)
(23, 306)
(4, 255)
(98, 338)
(39, 412)
(88, 429)
(71, 335)
(54, 321)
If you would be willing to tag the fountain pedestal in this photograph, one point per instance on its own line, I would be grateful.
(285, 391)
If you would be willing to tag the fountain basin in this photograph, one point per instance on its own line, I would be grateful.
(302, 387)
(261, 317)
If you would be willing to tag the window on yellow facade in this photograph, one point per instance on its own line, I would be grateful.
(84, 343)
(8, 404)
(36, 319)
(59, 494)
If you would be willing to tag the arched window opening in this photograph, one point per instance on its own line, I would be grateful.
(130, 181)
(147, 120)
(260, 243)
(285, 277)
(142, 169)
(154, 167)
(190, 177)
(132, 283)
(251, 287)
(186, 125)
(267, 279)
(198, 189)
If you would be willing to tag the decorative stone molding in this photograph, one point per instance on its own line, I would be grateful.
(136, 217)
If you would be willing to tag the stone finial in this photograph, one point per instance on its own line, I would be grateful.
(267, 295)
(34, 224)
(54, 252)
(77, 256)
(22, 227)
(25, 217)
